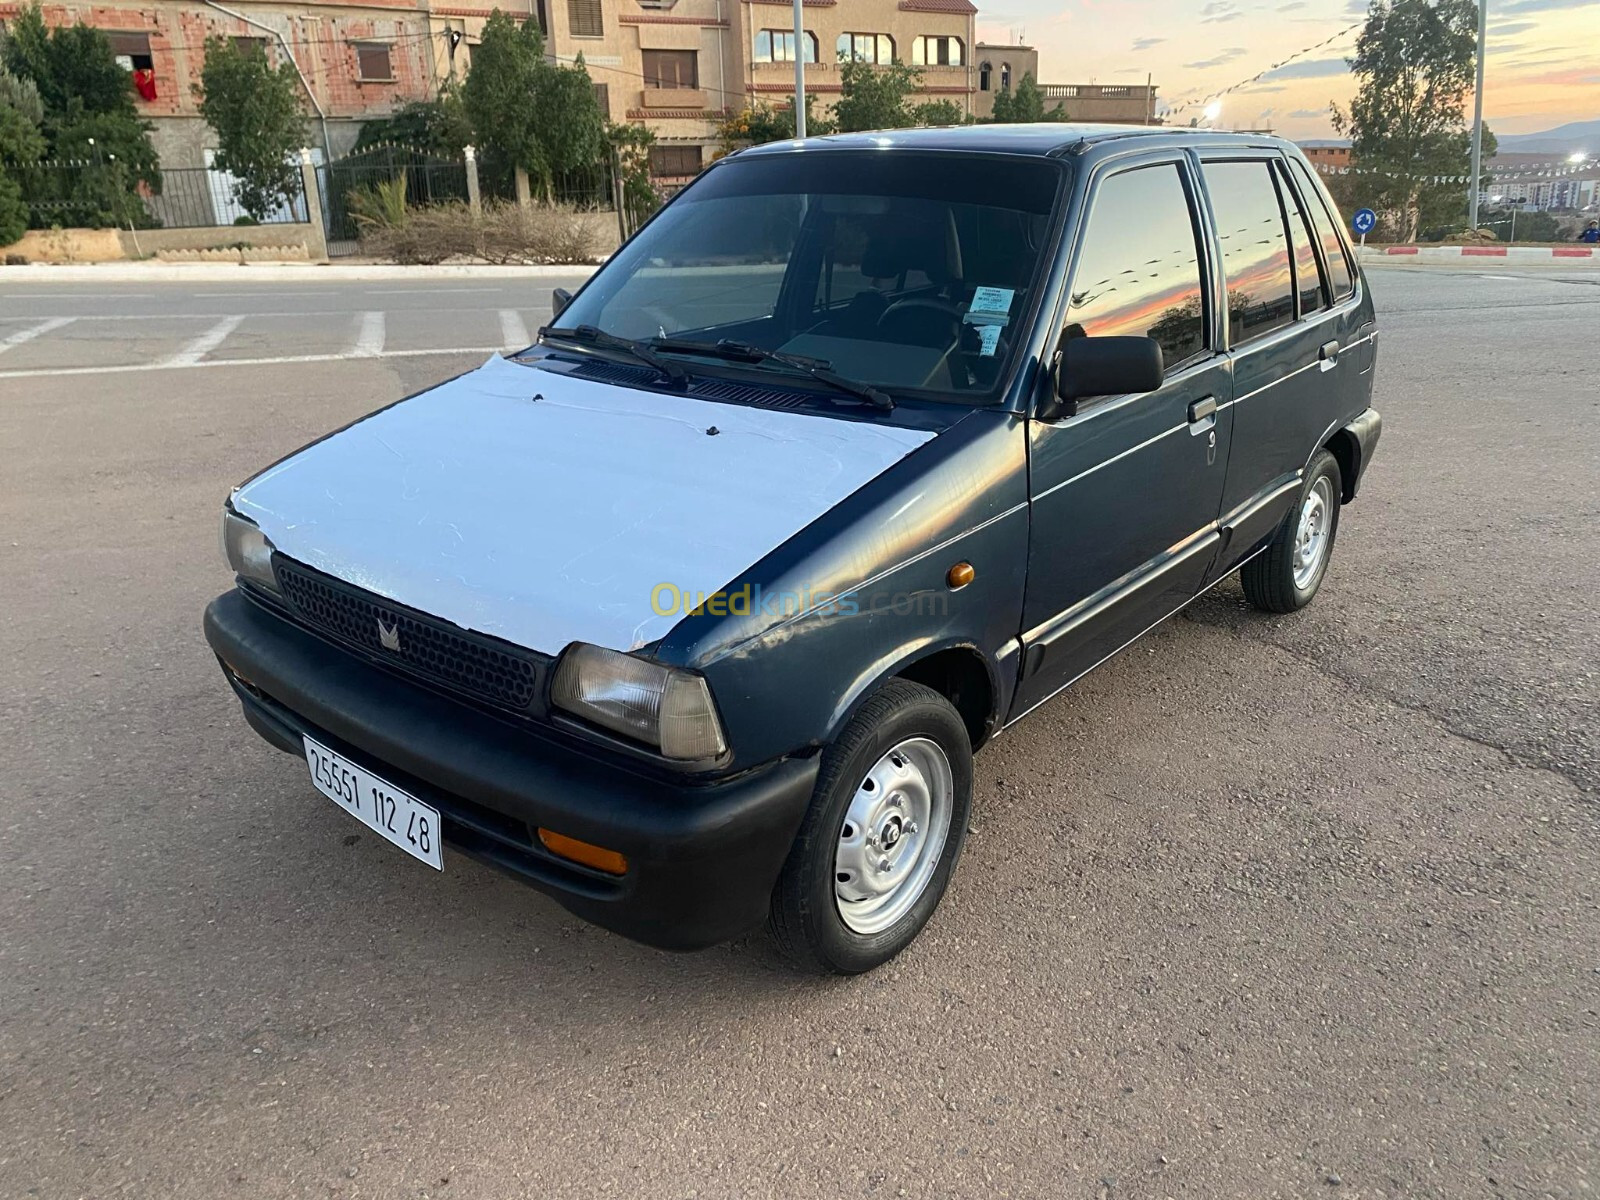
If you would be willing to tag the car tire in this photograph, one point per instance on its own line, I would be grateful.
(1284, 577)
(883, 833)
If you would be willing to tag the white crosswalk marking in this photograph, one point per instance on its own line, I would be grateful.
(513, 330)
(33, 331)
(369, 342)
(205, 343)
(168, 364)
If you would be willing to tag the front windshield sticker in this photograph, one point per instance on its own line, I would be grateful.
(988, 340)
(990, 304)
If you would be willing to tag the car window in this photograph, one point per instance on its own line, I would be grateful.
(1326, 222)
(1307, 275)
(1255, 253)
(1138, 272)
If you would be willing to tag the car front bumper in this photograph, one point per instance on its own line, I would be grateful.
(702, 856)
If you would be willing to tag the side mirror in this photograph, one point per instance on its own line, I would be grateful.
(559, 299)
(1106, 366)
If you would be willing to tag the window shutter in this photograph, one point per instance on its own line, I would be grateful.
(583, 18)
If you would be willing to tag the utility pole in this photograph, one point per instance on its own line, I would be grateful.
(800, 72)
(1477, 121)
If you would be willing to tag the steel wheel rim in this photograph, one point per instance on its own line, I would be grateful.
(893, 835)
(1312, 534)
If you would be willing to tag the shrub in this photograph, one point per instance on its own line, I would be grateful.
(505, 234)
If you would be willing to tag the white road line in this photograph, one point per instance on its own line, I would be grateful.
(205, 343)
(513, 330)
(289, 360)
(428, 291)
(369, 342)
(33, 331)
(77, 296)
(274, 294)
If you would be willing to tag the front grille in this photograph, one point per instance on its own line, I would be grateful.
(481, 667)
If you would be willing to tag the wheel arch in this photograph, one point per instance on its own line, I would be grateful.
(958, 671)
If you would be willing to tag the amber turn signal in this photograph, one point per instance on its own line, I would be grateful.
(960, 575)
(586, 853)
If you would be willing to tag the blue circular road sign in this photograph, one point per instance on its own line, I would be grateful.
(1364, 220)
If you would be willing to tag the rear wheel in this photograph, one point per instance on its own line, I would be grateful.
(882, 835)
(1285, 576)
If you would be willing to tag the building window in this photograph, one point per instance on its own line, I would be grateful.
(983, 76)
(583, 18)
(602, 98)
(866, 47)
(936, 52)
(1005, 77)
(777, 45)
(249, 45)
(372, 62)
(670, 69)
(674, 160)
(132, 52)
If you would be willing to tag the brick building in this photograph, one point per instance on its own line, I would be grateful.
(1326, 154)
(358, 59)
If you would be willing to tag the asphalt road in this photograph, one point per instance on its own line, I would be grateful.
(1265, 907)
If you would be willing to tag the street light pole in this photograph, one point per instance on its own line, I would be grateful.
(799, 72)
(1477, 120)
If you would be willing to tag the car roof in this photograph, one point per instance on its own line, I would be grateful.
(1042, 138)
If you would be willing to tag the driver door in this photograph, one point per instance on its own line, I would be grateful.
(1125, 493)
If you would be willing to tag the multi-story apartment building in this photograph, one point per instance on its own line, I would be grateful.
(356, 58)
(677, 65)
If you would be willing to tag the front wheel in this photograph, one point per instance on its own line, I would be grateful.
(1285, 576)
(883, 833)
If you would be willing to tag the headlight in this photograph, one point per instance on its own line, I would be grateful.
(661, 706)
(247, 550)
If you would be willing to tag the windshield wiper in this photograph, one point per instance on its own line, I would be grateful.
(819, 369)
(593, 336)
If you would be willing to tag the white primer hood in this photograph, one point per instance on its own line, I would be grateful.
(543, 509)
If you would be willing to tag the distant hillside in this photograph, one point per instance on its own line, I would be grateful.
(1564, 139)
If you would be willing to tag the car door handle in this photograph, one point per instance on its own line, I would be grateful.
(1202, 408)
(1328, 354)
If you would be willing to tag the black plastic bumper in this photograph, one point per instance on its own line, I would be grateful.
(702, 858)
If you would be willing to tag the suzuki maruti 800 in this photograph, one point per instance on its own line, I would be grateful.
(693, 613)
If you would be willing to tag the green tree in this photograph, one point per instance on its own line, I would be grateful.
(1025, 103)
(21, 112)
(256, 113)
(88, 116)
(874, 97)
(1409, 139)
(939, 112)
(542, 118)
(438, 126)
(761, 123)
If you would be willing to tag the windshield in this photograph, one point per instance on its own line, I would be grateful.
(909, 271)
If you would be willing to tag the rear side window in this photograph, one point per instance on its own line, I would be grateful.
(1255, 252)
(1307, 278)
(1327, 227)
(1139, 270)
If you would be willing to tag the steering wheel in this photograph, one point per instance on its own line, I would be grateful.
(945, 308)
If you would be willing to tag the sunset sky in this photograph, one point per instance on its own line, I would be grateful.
(1543, 64)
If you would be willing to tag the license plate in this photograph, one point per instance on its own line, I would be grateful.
(391, 812)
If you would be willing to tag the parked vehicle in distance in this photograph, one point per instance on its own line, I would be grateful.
(863, 448)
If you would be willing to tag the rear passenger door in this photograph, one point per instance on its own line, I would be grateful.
(1285, 338)
(1125, 493)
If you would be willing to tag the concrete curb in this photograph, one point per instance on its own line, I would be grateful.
(1456, 253)
(201, 272)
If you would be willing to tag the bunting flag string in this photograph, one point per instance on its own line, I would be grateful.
(1524, 171)
(1202, 101)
